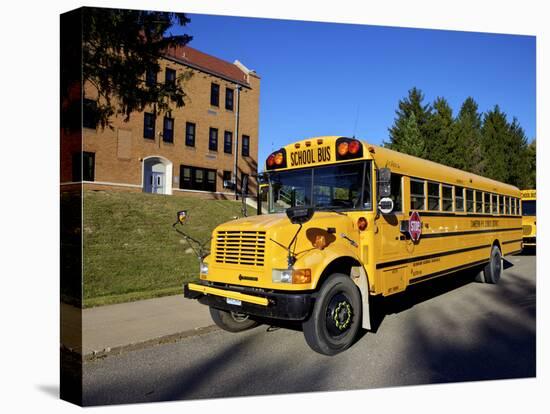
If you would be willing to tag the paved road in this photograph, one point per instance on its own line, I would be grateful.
(448, 330)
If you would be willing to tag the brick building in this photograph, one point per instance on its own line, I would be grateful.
(195, 149)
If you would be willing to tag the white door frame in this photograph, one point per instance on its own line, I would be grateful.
(167, 176)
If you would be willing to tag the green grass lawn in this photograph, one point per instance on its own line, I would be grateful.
(131, 251)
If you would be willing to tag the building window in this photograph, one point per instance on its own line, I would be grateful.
(433, 196)
(246, 146)
(194, 178)
(470, 201)
(168, 131)
(447, 197)
(149, 125)
(190, 134)
(215, 94)
(227, 142)
(459, 198)
(88, 166)
(227, 179)
(479, 202)
(229, 99)
(89, 114)
(150, 77)
(170, 77)
(417, 195)
(83, 166)
(213, 139)
(210, 184)
(185, 174)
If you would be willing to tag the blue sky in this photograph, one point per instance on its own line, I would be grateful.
(339, 79)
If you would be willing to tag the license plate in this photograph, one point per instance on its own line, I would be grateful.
(233, 301)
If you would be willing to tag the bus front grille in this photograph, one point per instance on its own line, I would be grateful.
(527, 230)
(240, 247)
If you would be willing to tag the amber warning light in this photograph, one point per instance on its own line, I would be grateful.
(348, 148)
(276, 159)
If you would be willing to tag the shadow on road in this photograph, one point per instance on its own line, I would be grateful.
(499, 344)
(528, 251)
(415, 294)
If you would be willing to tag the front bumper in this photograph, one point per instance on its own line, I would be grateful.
(275, 305)
(529, 241)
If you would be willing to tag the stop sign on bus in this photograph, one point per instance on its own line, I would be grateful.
(415, 226)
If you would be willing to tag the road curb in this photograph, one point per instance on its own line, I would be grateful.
(117, 350)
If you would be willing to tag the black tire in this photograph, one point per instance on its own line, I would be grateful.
(333, 324)
(232, 321)
(493, 270)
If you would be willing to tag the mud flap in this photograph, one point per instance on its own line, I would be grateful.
(359, 277)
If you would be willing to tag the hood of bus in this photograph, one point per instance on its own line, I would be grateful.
(245, 251)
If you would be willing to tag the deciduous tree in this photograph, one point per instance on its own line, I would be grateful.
(119, 46)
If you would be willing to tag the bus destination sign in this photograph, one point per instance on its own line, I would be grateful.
(310, 156)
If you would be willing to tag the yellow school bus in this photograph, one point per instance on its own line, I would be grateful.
(529, 217)
(348, 221)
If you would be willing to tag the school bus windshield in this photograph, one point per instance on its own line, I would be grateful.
(330, 187)
(529, 207)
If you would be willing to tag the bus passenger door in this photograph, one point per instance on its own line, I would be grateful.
(391, 243)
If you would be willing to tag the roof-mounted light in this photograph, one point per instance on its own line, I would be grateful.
(348, 148)
(276, 159)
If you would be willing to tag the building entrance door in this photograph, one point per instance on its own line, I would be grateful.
(157, 182)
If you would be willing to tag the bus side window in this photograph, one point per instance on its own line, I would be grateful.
(447, 197)
(459, 198)
(433, 196)
(505, 205)
(396, 192)
(478, 202)
(417, 195)
(498, 203)
(487, 203)
(469, 201)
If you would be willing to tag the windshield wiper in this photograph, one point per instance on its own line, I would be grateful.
(331, 210)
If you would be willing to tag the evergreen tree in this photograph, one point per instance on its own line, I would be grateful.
(407, 106)
(411, 138)
(495, 134)
(439, 142)
(466, 153)
(518, 162)
(532, 165)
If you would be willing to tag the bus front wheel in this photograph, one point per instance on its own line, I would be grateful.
(493, 270)
(232, 321)
(336, 316)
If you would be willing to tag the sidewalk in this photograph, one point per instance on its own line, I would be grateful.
(113, 328)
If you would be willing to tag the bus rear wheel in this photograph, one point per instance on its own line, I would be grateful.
(493, 270)
(335, 319)
(232, 321)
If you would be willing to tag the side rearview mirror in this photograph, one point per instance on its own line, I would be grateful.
(384, 183)
(299, 215)
(182, 217)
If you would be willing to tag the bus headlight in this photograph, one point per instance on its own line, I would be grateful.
(204, 268)
(296, 276)
(281, 275)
